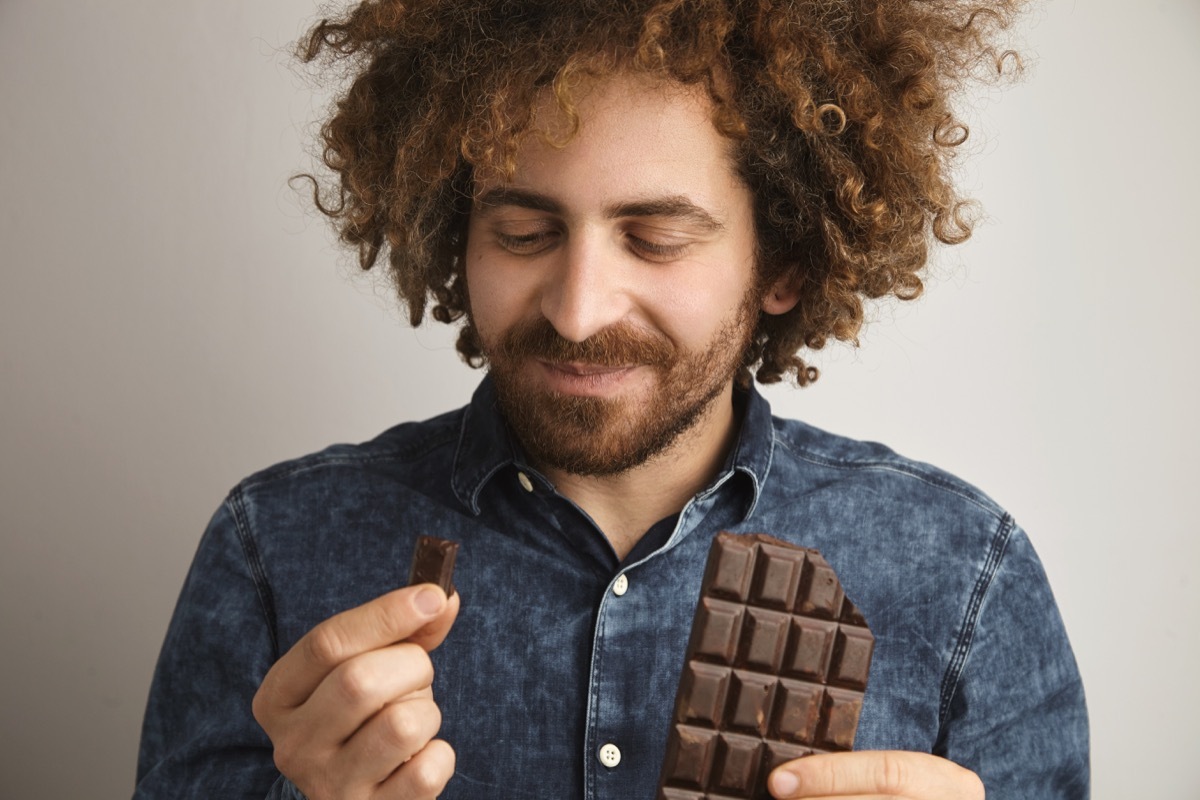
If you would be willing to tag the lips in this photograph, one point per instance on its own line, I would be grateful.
(584, 370)
(584, 380)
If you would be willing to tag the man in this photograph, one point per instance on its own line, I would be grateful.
(633, 210)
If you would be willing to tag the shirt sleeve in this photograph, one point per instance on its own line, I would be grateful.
(199, 737)
(1015, 711)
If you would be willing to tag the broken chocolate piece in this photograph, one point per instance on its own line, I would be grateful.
(775, 669)
(433, 562)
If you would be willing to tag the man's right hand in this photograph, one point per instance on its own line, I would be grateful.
(350, 707)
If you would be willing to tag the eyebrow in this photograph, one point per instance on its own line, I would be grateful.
(673, 207)
(521, 198)
(676, 207)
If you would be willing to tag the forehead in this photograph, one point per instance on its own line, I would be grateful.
(625, 137)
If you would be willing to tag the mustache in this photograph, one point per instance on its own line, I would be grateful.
(618, 345)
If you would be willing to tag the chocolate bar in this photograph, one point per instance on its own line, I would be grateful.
(776, 668)
(433, 562)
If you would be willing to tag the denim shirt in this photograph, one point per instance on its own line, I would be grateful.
(546, 664)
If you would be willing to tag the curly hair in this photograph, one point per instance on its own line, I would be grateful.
(839, 113)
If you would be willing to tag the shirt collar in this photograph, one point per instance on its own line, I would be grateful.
(485, 446)
(755, 446)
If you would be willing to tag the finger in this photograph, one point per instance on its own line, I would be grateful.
(420, 611)
(358, 689)
(874, 773)
(423, 777)
(389, 739)
(434, 632)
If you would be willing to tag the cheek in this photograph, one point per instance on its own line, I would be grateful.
(480, 291)
(495, 295)
(693, 306)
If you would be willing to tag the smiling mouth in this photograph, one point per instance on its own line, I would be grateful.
(576, 378)
(585, 370)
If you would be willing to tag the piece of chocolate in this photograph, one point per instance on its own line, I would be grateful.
(433, 562)
(775, 669)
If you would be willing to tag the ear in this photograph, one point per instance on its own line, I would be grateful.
(782, 296)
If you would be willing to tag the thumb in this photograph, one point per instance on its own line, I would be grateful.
(433, 632)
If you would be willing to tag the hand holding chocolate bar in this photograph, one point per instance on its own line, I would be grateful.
(775, 669)
(349, 708)
(773, 682)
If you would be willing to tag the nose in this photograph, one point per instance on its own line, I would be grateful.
(585, 292)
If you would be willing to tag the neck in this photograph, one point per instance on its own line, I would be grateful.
(624, 506)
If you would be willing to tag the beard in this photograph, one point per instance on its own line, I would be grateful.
(600, 436)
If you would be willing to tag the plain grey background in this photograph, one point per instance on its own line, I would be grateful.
(172, 318)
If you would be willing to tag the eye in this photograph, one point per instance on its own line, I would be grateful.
(655, 251)
(526, 244)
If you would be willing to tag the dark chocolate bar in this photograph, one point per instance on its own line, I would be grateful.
(433, 562)
(776, 667)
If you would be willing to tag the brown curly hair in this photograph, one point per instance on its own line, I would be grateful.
(839, 112)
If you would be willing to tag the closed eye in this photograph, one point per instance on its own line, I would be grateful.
(526, 243)
(655, 251)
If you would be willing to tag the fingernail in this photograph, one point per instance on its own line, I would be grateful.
(429, 601)
(784, 783)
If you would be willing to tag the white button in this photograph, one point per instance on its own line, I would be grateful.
(620, 585)
(610, 756)
(526, 484)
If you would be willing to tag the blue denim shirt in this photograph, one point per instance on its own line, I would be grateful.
(546, 664)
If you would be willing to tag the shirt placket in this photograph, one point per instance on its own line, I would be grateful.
(616, 765)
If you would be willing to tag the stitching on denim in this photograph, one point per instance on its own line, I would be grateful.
(266, 597)
(468, 498)
(471, 500)
(966, 633)
(757, 494)
(902, 469)
(322, 460)
(591, 738)
(766, 473)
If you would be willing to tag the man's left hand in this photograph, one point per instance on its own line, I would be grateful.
(873, 775)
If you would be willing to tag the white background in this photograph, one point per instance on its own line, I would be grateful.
(172, 318)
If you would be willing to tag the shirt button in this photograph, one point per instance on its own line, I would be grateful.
(610, 756)
(526, 484)
(621, 585)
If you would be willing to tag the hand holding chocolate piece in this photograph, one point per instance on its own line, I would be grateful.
(776, 667)
(433, 562)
